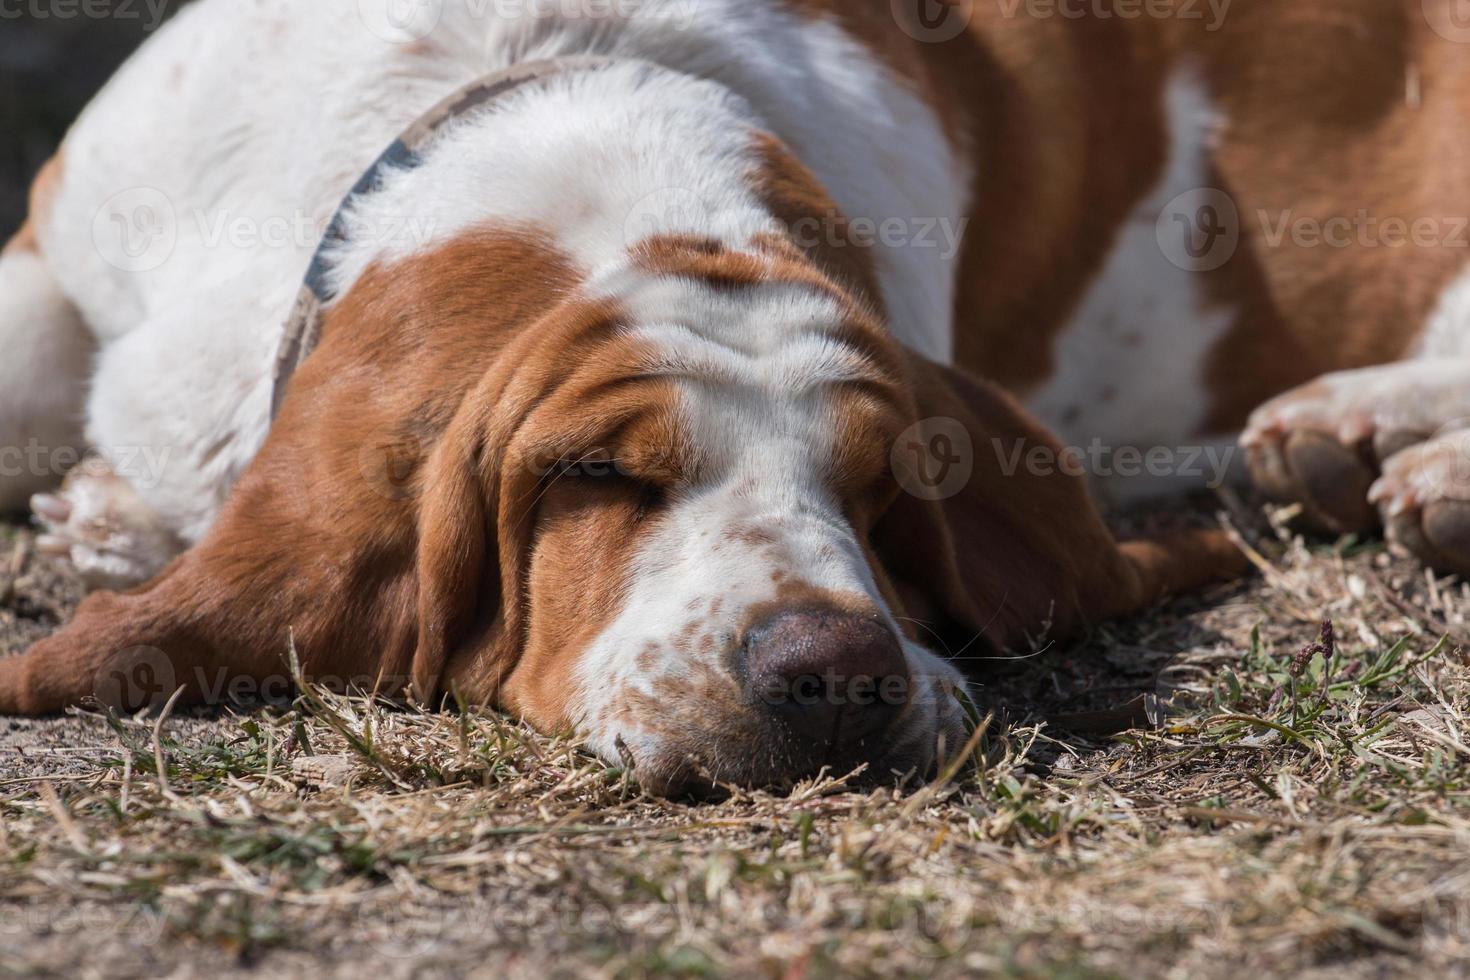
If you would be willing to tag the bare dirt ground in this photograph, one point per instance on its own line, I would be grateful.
(1272, 813)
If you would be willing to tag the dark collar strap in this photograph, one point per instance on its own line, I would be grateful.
(303, 327)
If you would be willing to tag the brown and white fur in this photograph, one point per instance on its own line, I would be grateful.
(667, 266)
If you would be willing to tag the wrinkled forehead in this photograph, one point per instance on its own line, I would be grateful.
(757, 372)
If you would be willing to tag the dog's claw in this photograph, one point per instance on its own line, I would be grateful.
(50, 508)
(54, 545)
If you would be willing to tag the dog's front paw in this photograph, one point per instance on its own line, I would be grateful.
(100, 524)
(1324, 444)
(1424, 497)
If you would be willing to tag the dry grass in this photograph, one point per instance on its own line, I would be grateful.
(1271, 822)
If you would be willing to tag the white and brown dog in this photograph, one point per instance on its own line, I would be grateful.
(641, 393)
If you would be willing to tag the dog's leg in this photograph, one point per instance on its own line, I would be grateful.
(45, 354)
(1325, 444)
(177, 408)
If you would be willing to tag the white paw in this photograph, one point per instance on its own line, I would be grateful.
(1384, 408)
(100, 524)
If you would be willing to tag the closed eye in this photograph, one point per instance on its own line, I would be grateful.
(606, 472)
(592, 465)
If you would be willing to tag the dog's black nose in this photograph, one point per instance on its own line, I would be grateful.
(829, 676)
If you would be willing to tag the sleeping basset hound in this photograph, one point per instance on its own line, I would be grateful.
(718, 379)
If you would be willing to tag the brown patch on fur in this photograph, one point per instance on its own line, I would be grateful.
(780, 261)
(647, 658)
(812, 225)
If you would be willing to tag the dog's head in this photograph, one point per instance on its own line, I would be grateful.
(651, 511)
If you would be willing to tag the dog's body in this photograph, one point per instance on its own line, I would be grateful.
(741, 177)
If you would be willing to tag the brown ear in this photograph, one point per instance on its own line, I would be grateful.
(994, 535)
(453, 548)
(373, 557)
(308, 553)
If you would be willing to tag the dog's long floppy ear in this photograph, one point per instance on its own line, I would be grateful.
(994, 535)
(314, 549)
